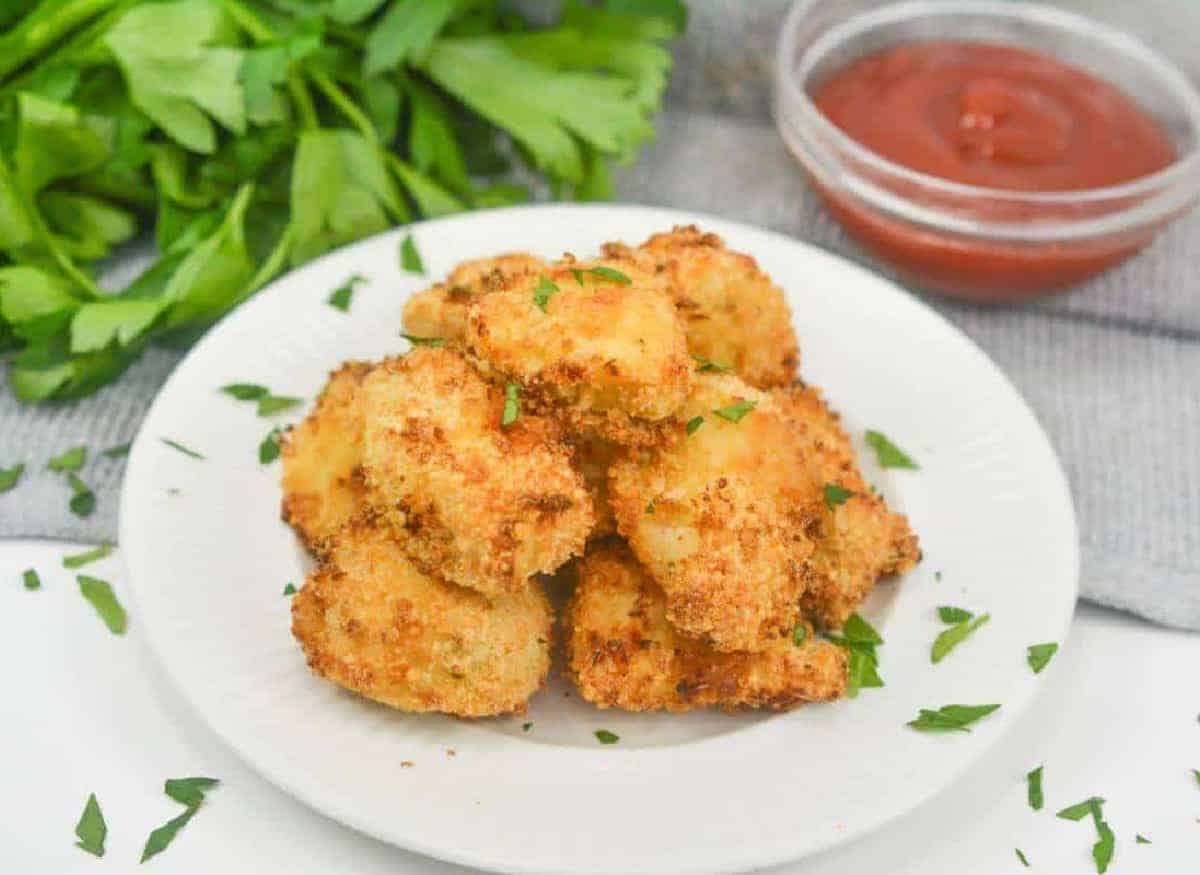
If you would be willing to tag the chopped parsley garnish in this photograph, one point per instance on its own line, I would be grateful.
(888, 454)
(175, 445)
(415, 340)
(937, 575)
(1106, 842)
(835, 495)
(708, 366)
(735, 412)
(1080, 810)
(187, 791)
(860, 641)
(118, 452)
(83, 500)
(1142, 840)
(1039, 656)
(81, 559)
(268, 450)
(290, 589)
(512, 404)
(650, 507)
(1021, 857)
(950, 718)
(30, 579)
(269, 405)
(525, 727)
(954, 636)
(71, 460)
(948, 614)
(246, 391)
(91, 829)
(1034, 781)
(694, 423)
(799, 634)
(10, 476)
(607, 737)
(608, 273)
(578, 274)
(339, 299)
(858, 630)
(1196, 775)
(544, 291)
(410, 258)
(104, 600)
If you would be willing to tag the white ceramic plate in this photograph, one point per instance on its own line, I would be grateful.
(208, 559)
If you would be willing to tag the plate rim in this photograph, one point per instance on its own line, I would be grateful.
(1015, 707)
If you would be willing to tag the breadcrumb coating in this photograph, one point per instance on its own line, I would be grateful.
(593, 457)
(858, 541)
(480, 504)
(720, 518)
(369, 621)
(622, 652)
(734, 315)
(607, 355)
(322, 478)
(441, 310)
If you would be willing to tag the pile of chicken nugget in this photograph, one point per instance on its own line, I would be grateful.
(630, 427)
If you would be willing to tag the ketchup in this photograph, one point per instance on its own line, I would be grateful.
(996, 117)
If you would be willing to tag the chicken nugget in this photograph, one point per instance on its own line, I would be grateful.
(481, 504)
(597, 342)
(441, 310)
(857, 541)
(734, 315)
(322, 478)
(623, 653)
(369, 621)
(720, 518)
(593, 457)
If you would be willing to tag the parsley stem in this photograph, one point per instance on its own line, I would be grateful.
(345, 105)
(304, 103)
(271, 265)
(248, 21)
(43, 28)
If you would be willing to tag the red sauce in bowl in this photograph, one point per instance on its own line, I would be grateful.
(994, 117)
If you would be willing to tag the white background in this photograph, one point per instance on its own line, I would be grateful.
(85, 711)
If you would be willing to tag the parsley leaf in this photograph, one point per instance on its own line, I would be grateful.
(83, 500)
(269, 405)
(188, 791)
(71, 460)
(91, 829)
(512, 404)
(1080, 810)
(950, 718)
(245, 391)
(30, 579)
(954, 636)
(1142, 840)
(888, 454)
(81, 559)
(101, 596)
(424, 341)
(708, 366)
(799, 634)
(859, 631)
(736, 412)
(1034, 789)
(694, 424)
(290, 589)
(163, 836)
(1102, 851)
(340, 298)
(835, 495)
(610, 274)
(9, 477)
(948, 614)
(860, 640)
(525, 727)
(578, 274)
(1196, 775)
(542, 294)
(175, 445)
(268, 450)
(607, 737)
(410, 258)
(1039, 656)
(1021, 857)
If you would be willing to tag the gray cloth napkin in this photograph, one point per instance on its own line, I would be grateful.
(1112, 370)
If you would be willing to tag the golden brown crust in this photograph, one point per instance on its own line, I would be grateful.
(369, 621)
(623, 653)
(441, 310)
(322, 479)
(720, 518)
(480, 504)
(733, 313)
(593, 457)
(857, 542)
(605, 356)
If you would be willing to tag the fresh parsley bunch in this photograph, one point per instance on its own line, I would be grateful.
(254, 135)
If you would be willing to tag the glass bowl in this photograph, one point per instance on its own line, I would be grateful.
(971, 242)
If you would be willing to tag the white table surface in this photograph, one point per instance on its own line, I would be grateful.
(85, 711)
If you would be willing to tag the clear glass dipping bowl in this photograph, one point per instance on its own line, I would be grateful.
(962, 240)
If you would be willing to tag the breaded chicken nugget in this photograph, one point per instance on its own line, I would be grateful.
(599, 344)
(857, 541)
(719, 518)
(593, 457)
(734, 315)
(322, 480)
(481, 504)
(623, 653)
(369, 621)
(441, 310)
